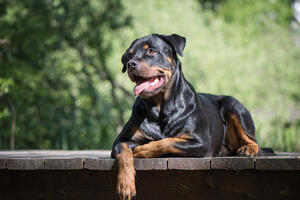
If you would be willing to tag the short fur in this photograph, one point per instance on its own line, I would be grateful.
(175, 120)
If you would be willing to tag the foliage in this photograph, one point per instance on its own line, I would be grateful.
(60, 65)
(54, 73)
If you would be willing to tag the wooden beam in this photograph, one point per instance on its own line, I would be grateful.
(100, 160)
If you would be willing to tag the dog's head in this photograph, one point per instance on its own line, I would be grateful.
(151, 62)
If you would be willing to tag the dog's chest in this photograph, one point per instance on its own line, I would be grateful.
(155, 126)
(152, 130)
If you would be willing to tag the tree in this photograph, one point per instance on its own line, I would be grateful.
(53, 60)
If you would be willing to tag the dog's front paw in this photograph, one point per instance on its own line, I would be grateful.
(143, 152)
(139, 152)
(126, 187)
(249, 150)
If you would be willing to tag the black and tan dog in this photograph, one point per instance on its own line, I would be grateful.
(169, 118)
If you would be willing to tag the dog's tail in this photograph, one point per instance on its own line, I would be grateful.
(266, 151)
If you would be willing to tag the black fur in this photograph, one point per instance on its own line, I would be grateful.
(203, 116)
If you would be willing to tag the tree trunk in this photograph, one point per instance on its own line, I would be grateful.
(13, 126)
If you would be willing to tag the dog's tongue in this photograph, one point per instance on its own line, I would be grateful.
(141, 87)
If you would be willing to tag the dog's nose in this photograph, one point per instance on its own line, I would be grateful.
(133, 64)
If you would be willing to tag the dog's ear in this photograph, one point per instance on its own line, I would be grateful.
(123, 59)
(177, 41)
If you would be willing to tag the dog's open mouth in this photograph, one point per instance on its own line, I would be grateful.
(148, 85)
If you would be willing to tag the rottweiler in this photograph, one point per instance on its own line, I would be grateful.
(169, 118)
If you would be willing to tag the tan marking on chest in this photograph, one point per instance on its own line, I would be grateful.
(146, 46)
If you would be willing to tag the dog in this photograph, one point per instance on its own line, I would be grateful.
(169, 118)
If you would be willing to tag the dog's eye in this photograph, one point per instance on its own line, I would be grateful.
(151, 51)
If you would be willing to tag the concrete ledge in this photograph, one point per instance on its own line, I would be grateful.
(277, 163)
(151, 164)
(232, 163)
(3, 164)
(63, 163)
(24, 164)
(189, 163)
(99, 164)
(92, 175)
(100, 160)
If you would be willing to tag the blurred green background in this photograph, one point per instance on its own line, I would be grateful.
(61, 85)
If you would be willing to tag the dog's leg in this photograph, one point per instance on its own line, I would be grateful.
(238, 139)
(240, 132)
(185, 145)
(126, 181)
